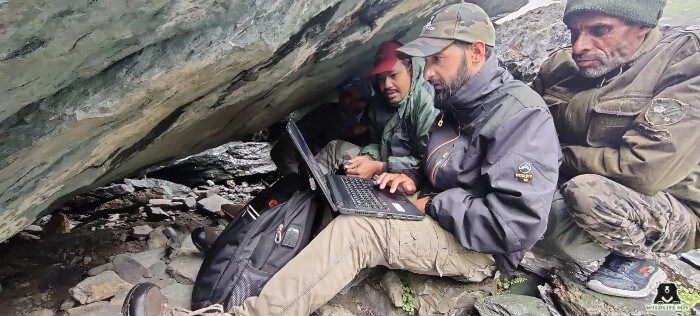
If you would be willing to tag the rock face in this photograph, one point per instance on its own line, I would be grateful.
(92, 91)
(540, 33)
(230, 161)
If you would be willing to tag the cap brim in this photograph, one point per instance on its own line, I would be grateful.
(424, 46)
(384, 66)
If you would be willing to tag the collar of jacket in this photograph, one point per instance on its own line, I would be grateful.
(648, 44)
(489, 78)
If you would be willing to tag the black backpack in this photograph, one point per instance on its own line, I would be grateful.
(262, 238)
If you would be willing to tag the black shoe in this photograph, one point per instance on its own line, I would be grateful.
(144, 299)
(203, 237)
(626, 277)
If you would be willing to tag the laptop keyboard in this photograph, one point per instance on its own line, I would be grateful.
(362, 193)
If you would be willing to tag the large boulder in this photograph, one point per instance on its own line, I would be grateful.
(94, 90)
(523, 44)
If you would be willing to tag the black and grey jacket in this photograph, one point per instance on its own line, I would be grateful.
(491, 166)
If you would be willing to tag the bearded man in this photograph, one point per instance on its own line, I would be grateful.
(624, 98)
(490, 173)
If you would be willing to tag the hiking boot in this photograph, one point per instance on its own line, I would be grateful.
(146, 299)
(203, 237)
(626, 277)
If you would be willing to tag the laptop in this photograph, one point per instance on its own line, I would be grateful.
(352, 195)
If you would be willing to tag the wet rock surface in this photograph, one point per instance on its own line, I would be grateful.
(83, 259)
(511, 305)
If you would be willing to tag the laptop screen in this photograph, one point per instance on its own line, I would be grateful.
(310, 160)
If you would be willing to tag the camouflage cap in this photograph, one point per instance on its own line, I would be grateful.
(465, 22)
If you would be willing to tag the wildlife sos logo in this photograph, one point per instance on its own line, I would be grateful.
(667, 299)
(429, 26)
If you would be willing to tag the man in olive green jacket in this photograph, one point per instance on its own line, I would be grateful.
(625, 101)
(399, 118)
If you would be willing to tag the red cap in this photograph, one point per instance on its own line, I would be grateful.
(386, 57)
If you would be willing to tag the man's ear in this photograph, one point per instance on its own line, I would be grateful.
(478, 51)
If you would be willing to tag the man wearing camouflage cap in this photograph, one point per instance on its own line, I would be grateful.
(624, 98)
(492, 159)
(491, 184)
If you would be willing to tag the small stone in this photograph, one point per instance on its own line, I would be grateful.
(186, 248)
(119, 296)
(213, 203)
(68, 304)
(190, 202)
(159, 270)
(157, 239)
(142, 231)
(98, 287)
(99, 269)
(204, 193)
(231, 183)
(42, 312)
(34, 229)
(170, 232)
(184, 269)
(211, 183)
(178, 294)
(109, 310)
(393, 285)
(148, 258)
(86, 260)
(156, 213)
(163, 283)
(129, 269)
(87, 309)
(165, 203)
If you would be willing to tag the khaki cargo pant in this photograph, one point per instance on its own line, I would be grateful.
(351, 243)
(593, 215)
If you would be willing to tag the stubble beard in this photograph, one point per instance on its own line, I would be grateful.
(607, 64)
(450, 87)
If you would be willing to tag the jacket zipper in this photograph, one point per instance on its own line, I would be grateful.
(441, 160)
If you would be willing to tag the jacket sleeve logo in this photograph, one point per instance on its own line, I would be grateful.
(665, 111)
(524, 173)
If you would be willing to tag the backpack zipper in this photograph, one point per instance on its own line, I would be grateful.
(278, 234)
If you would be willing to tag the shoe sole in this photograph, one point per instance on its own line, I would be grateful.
(656, 279)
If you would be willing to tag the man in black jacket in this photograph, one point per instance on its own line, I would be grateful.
(490, 172)
(491, 165)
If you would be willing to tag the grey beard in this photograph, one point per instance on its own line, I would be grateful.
(608, 65)
(451, 87)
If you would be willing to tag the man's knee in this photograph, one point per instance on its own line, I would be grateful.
(585, 192)
(593, 201)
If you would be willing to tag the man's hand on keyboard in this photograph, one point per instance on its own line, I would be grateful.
(396, 181)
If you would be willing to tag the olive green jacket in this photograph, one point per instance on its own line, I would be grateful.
(638, 125)
(398, 133)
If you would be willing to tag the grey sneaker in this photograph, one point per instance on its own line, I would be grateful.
(626, 277)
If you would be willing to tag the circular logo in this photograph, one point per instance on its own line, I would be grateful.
(525, 168)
